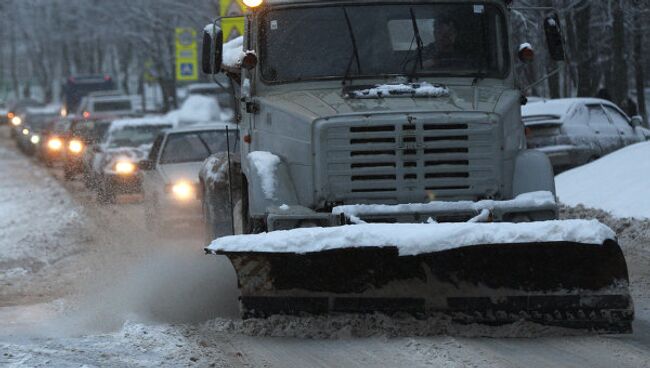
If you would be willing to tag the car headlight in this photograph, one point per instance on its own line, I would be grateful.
(76, 146)
(124, 168)
(16, 121)
(183, 190)
(55, 144)
(35, 139)
(25, 131)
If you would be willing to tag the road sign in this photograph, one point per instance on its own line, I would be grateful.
(186, 55)
(232, 27)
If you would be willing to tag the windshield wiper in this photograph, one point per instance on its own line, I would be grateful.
(419, 43)
(355, 49)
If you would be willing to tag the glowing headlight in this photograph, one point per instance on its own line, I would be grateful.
(25, 131)
(253, 3)
(75, 146)
(35, 139)
(124, 168)
(64, 112)
(55, 144)
(16, 121)
(183, 190)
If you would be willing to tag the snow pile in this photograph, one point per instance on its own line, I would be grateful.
(233, 52)
(266, 165)
(534, 199)
(196, 109)
(617, 183)
(423, 89)
(414, 239)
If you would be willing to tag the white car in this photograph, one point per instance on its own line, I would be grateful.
(171, 174)
(575, 131)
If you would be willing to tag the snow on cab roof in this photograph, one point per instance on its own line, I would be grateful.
(558, 107)
(136, 122)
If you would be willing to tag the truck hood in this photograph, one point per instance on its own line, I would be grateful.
(331, 102)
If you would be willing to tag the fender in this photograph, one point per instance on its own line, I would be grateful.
(261, 199)
(533, 172)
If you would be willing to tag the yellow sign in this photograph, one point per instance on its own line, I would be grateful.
(232, 27)
(186, 55)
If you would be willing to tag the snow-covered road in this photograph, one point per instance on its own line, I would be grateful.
(86, 285)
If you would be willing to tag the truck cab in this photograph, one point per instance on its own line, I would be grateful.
(379, 102)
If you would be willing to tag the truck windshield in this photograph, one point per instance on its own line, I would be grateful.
(316, 43)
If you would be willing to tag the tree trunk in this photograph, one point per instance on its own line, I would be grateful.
(619, 65)
(639, 61)
(586, 71)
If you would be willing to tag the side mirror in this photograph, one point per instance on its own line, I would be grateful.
(636, 121)
(146, 165)
(212, 54)
(554, 39)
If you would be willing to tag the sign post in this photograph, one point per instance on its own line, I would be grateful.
(186, 55)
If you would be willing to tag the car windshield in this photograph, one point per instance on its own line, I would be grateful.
(135, 136)
(117, 105)
(92, 131)
(197, 146)
(319, 43)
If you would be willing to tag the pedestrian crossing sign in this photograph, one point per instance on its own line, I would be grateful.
(186, 55)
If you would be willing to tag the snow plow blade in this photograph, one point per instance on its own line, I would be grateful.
(564, 284)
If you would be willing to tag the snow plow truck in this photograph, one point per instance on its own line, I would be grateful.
(381, 167)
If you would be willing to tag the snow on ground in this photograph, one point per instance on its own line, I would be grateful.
(39, 226)
(414, 239)
(195, 110)
(618, 183)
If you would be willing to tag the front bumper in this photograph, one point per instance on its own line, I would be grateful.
(538, 206)
(123, 184)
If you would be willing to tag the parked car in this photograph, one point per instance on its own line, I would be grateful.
(171, 173)
(575, 131)
(115, 165)
(34, 121)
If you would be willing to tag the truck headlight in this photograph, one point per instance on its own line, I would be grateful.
(75, 146)
(55, 144)
(124, 168)
(183, 190)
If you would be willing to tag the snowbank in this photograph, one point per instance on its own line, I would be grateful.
(266, 164)
(618, 183)
(414, 239)
(423, 89)
(196, 109)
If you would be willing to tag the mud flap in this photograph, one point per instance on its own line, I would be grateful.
(564, 284)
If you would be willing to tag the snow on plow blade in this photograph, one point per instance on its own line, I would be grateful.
(567, 284)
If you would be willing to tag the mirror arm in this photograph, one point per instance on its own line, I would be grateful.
(544, 78)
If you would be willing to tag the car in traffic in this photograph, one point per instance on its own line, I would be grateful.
(115, 168)
(575, 131)
(52, 146)
(82, 135)
(172, 192)
(76, 87)
(34, 121)
(107, 103)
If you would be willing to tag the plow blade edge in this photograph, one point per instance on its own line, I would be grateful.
(563, 284)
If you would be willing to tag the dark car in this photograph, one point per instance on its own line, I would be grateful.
(83, 134)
